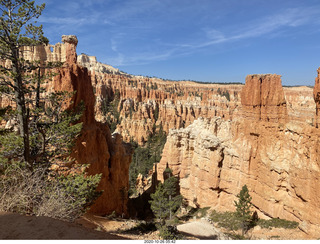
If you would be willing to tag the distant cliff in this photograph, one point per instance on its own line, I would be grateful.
(277, 158)
(145, 102)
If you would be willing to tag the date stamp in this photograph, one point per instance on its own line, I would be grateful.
(159, 241)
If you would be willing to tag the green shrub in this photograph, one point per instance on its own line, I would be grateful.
(168, 232)
(145, 156)
(277, 223)
(234, 236)
(228, 220)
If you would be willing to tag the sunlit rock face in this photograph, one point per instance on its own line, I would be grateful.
(276, 158)
(105, 154)
(262, 98)
(146, 101)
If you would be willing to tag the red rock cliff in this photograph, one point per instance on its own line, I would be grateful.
(262, 98)
(105, 153)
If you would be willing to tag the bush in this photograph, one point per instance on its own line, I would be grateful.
(168, 232)
(228, 220)
(35, 193)
(277, 223)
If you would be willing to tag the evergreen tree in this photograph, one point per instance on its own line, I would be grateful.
(46, 131)
(165, 200)
(159, 204)
(16, 31)
(243, 206)
(174, 200)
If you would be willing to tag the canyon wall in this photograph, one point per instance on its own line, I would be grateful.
(105, 154)
(221, 137)
(145, 101)
(277, 158)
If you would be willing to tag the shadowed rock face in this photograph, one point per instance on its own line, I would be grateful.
(262, 98)
(105, 153)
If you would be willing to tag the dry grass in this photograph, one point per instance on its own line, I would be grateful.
(32, 193)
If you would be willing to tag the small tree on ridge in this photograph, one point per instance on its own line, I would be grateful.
(243, 208)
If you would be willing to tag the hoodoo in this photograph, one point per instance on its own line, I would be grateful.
(276, 158)
(262, 98)
(105, 153)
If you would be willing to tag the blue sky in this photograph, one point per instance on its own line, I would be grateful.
(203, 40)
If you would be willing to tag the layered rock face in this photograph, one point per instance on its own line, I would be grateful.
(301, 105)
(262, 98)
(279, 160)
(91, 63)
(106, 154)
(146, 101)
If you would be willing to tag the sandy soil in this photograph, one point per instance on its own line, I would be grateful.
(201, 229)
(91, 227)
(20, 227)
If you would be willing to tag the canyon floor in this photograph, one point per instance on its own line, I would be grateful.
(90, 227)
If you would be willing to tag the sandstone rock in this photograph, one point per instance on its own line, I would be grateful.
(301, 106)
(71, 44)
(91, 63)
(105, 153)
(164, 103)
(280, 166)
(177, 104)
(262, 98)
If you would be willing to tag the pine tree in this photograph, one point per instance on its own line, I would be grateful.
(46, 131)
(165, 200)
(243, 206)
(16, 31)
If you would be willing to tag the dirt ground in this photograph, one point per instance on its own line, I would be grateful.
(90, 227)
(19, 227)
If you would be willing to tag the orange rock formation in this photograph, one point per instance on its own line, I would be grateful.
(105, 153)
(276, 158)
(146, 101)
(262, 98)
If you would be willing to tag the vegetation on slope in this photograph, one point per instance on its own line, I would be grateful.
(145, 156)
(244, 219)
(44, 135)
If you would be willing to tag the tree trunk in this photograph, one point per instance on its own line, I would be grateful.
(21, 107)
(170, 217)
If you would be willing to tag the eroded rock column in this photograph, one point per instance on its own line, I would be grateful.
(262, 98)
